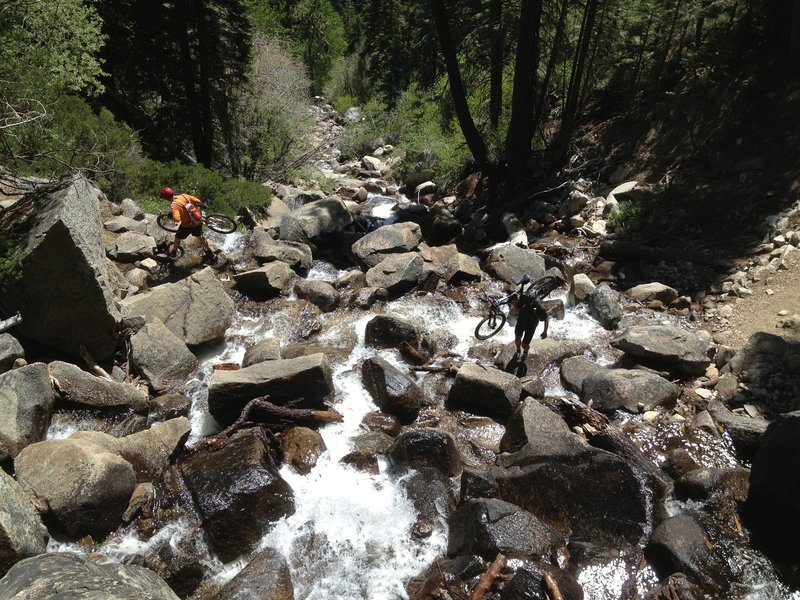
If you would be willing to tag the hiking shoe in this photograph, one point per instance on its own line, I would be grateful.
(209, 256)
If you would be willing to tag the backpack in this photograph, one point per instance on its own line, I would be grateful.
(195, 215)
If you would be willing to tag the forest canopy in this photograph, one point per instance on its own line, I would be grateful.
(125, 89)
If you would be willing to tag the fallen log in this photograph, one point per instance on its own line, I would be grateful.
(275, 414)
(487, 579)
(7, 324)
(552, 587)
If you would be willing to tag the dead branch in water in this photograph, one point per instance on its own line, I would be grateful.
(273, 413)
(487, 579)
(90, 362)
(552, 587)
(7, 324)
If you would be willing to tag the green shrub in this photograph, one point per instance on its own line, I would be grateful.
(10, 263)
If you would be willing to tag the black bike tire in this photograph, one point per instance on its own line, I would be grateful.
(545, 285)
(501, 320)
(220, 223)
(165, 221)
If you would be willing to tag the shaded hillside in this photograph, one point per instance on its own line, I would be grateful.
(722, 148)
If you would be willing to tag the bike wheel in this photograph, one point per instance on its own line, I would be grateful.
(165, 221)
(544, 285)
(490, 325)
(220, 223)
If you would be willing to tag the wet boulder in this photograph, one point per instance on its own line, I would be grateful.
(485, 390)
(594, 496)
(197, 309)
(160, 357)
(302, 447)
(702, 483)
(270, 280)
(444, 226)
(81, 387)
(430, 492)
(21, 529)
(540, 431)
(306, 377)
(267, 349)
(364, 460)
(238, 492)
(676, 585)
(486, 527)
(168, 406)
(426, 447)
(26, 402)
(267, 575)
(75, 576)
(574, 370)
(380, 421)
(774, 496)
(529, 581)
(389, 239)
(668, 346)
(294, 254)
(10, 351)
(604, 306)
(319, 293)
(511, 263)
(86, 487)
(393, 391)
(314, 219)
(386, 331)
(681, 545)
(149, 451)
(607, 390)
(64, 266)
(397, 273)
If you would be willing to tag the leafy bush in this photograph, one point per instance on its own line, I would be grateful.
(10, 265)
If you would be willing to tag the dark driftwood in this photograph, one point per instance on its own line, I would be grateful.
(487, 579)
(274, 414)
(606, 436)
(552, 587)
(7, 324)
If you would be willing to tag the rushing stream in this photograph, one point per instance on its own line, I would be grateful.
(350, 535)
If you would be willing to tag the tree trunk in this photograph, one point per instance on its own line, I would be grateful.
(204, 38)
(191, 89)
(473, 137)
(569, 113)
(495, 62)
(520, 127)
(551, 65)
(794, 35)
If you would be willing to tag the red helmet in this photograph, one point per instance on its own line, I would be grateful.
(167, 192)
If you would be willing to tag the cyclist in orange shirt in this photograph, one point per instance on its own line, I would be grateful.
(186, 211)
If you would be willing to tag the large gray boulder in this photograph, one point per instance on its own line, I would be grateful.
(389, 239)
(607, 390)
(667, 346)
(238, 492)
(149, 452)
(397, 273)
(26, 401)
(541, 431)
(196, 309)
(160, 357)
(542, 353)
(307, 377)
(319, 293)
(65, 575)
(68, 290)
(81, 387)
(294, 254)
(10, 351)
(510, 263)
(315, 219)
(449, 264)
(271, 279)
(604, 306)
(86, 487)
(22, 533)
(130, 247)
(485, 390)
(425, 447)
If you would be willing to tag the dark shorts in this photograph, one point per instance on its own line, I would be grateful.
(526, 326)
(184, 232)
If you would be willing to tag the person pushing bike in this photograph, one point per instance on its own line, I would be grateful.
(185, 210)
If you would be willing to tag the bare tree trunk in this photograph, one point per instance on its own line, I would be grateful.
(471, 134)
(551, 65)
(520, 127)
(10, 322)
(569, 113)
(495, 62)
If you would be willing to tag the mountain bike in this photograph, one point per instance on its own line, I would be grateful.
(494, 321)
(215, 222)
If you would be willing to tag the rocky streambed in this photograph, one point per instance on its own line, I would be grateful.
(630, 454)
